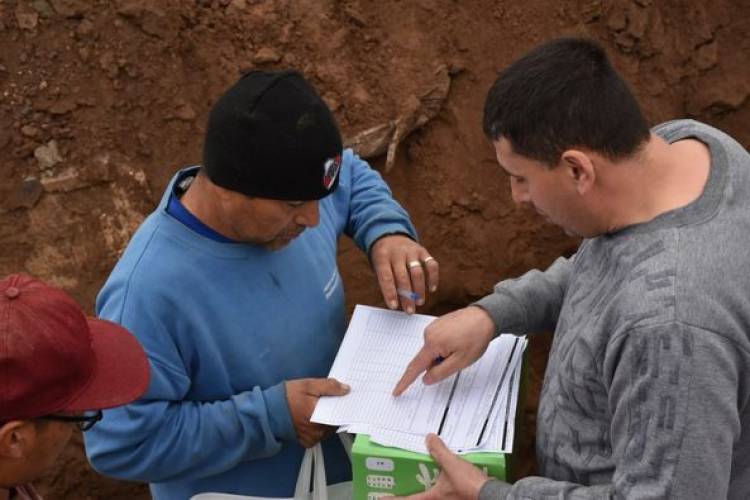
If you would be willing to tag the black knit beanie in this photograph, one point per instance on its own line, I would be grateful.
(272, 136)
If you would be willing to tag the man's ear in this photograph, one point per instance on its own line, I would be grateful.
(581, 169)
(17, 438)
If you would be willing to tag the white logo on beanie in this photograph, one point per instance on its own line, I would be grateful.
(330, 170)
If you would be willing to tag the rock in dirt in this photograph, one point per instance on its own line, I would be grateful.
(66, 181)
(26, 17)
(48, 155)
(706, 56)
(145, 14)
(43, 8)
(185, 113)
(29, 131)
(266, 55)
(84, 29)
(71, 8)
(27, 194)
(63, 106)
(236, 6)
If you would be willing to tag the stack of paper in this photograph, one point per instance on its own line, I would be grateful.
(474, 410)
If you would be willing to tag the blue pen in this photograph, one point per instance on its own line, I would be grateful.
(408, 294)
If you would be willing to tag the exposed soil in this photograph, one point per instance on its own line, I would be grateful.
(103, 100)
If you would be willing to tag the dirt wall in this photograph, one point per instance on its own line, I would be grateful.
(101, 101)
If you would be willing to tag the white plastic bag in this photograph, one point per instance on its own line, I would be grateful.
(313, 459)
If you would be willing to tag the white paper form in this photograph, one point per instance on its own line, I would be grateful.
(376, 349)
(500, 425)
(505, 439)
(501, 430)
(480, 394)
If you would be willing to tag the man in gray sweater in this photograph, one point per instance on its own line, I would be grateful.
(648, 381)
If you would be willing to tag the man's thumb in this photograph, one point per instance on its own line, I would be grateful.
(442, 455)
(331, 387)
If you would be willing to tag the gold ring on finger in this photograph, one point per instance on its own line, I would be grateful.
(413, 263)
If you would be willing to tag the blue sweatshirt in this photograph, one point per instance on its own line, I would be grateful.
(224, 325)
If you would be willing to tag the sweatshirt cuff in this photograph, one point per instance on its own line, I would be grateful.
(279, 416)
(494, 490)
(386, 230)
(508, 315)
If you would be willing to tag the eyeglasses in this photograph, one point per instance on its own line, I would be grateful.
(85, 422)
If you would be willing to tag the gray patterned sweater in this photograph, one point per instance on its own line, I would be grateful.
(648, 380)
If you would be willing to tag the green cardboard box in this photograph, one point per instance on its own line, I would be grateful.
(379, 471)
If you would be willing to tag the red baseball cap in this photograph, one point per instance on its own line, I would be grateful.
(55, 359)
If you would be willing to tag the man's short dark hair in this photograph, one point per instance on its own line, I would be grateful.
(563, 94)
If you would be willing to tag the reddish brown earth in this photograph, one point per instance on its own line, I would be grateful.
(103, 100)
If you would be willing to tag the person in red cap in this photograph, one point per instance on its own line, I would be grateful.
(58, 369)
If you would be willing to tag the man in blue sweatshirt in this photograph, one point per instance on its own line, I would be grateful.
(232, 287)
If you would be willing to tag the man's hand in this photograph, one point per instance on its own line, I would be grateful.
(403, 265)
(451, 343)
(458, 478)
(302, 395)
